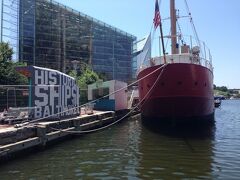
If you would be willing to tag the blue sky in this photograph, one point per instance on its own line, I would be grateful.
(217, 23)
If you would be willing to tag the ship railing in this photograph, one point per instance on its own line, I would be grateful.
(178, 58)
(192, 45)
(206, 63)
(192, 51)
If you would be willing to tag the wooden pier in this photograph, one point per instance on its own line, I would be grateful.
(15, 139)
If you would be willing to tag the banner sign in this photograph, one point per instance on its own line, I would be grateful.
(51, 93)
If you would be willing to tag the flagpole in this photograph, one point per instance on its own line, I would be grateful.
(157, 22)
(162, 40)
(159, 42)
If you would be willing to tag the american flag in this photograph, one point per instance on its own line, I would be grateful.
(157, 18)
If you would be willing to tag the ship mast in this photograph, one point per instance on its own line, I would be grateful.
(173, 27)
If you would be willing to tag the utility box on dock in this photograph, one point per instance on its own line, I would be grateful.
(110, 95)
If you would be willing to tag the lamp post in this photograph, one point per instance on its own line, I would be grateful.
(75, 64)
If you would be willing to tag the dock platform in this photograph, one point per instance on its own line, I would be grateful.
(14, 138)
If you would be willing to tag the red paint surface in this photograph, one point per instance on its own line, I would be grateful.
(182, 90)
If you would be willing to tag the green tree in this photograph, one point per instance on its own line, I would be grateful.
(222, 88)
(102, 76)
(6, 52)
(8, 74)
(214, 86)
(85, 77)
(73, 74)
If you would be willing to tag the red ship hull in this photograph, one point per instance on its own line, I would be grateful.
(181, 92)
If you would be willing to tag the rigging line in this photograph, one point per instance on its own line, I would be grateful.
(181, 38)
(101, 128)
(193, 26)
(166, 44)
(148, 93)
(33, 121)
(26, 123)
(152, 36)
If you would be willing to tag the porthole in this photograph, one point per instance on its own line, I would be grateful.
(179, 82)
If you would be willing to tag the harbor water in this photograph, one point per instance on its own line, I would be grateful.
(129, 150)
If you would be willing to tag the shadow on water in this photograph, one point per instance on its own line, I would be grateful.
(177, 150)
(188, 129)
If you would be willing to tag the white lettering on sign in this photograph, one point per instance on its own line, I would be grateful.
(54, 93)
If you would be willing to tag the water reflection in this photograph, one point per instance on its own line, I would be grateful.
(109, 154)
(199, 130)
(177, 151)
(226, 148)
(130, 150)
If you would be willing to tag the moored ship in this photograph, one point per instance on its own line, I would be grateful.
(178, 86)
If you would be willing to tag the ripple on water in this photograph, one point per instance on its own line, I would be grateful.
(129, 150)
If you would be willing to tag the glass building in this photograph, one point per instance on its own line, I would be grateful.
(48, 34)
(9, 24)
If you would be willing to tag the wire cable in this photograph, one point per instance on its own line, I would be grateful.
(26, 123)
(126, 115)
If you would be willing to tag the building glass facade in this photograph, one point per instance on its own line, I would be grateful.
(9, 24)
(54, 36)
(48, 34)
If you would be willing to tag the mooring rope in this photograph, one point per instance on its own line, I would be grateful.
(26, 123)
(126, 115)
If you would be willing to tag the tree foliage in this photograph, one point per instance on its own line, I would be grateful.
(5, 52)
(214, 86)
(85, 77)
(222, 88)
(224, 91)
(8, 74)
